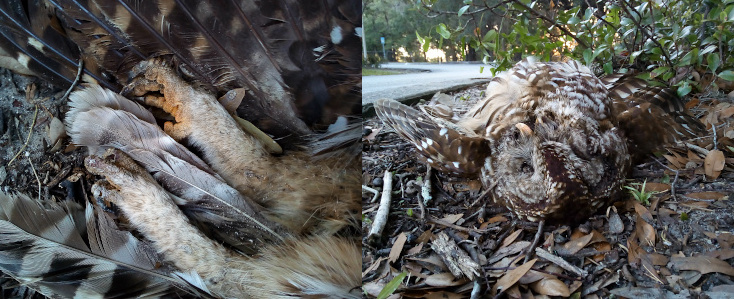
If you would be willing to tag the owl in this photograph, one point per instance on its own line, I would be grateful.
(551, 141)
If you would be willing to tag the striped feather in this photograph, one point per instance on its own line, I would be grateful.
(65, 251)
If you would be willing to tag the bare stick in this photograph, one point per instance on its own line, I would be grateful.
(30, 132)
(373, 191)
(560, 262)
(35, 174)
(78, 78)
(381, 217)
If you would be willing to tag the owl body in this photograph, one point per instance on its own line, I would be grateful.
(545, 141)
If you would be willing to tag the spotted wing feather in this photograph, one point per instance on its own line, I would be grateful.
(444, 145)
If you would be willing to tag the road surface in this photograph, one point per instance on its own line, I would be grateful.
(434, 78)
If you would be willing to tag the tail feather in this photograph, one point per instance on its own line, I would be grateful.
(54, 258)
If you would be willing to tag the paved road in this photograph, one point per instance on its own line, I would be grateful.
(436, 77)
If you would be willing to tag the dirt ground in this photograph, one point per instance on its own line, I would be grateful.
(35, 155)
(677, 245)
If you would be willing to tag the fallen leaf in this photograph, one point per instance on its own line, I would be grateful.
(551, 286)
(511, 238)
(452, 218)
(498, 218)
(415, 250)
(509, 250)
(708, 195)
(397, 247)
(643, 212)
(714, 163)
(636, 292)
(656, 187)
(512, 277)
(445, 279)
(443, 295)
(573, 246)
(645, 232)
(702, 264)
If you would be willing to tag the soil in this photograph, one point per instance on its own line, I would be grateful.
(677, 245)
(35, 156)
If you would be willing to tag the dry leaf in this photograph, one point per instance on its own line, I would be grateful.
(443, 295)
(444, 279)
(397, 247)
(709, 195)
(573, 246)
(511, 238)
(645, 232)
(643, 212)
(714, 163)
(498, 218)
(509, 250)
(551, 286)
(656, 187)
(702, 264)
(452, 218)
(512, 277)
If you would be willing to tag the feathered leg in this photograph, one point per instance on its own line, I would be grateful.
(304, 196)
(324, 266)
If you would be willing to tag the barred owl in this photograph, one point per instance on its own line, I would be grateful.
(550, 140)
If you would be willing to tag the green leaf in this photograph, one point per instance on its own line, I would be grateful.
(490, 36)
(573, 20)
(588, 56)
(713, 61)
(391, 286)
(686, 60)
(443, 31)
(608, 68)
(659, 71)
(727, 75)
(463, 9)
(481, 69)
(684, 89)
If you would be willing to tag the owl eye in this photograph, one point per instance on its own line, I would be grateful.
(526, 167)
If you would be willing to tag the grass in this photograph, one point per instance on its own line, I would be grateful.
(378, 72)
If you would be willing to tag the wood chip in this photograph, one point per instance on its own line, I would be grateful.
(458, 261)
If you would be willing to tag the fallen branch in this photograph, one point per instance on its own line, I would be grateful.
(560, 262)
(381, 216)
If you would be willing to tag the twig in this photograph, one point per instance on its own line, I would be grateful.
(35, 174)
(552, 22)
(560, 262)
(535, 241)
(426, 190)
(675, 180)
(28, 139)
(374, 191)
(457, 227)
(381, 216)
(697, 148)
(80, 68)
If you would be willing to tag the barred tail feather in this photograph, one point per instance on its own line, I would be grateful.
(42, 245)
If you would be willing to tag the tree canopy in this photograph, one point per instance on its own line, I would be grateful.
(688, 44)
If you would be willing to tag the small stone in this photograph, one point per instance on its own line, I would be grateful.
(377, 182)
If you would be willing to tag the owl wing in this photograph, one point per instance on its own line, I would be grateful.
(444, 145)
(651, 116)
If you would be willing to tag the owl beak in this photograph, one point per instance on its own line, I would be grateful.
(525, 130)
